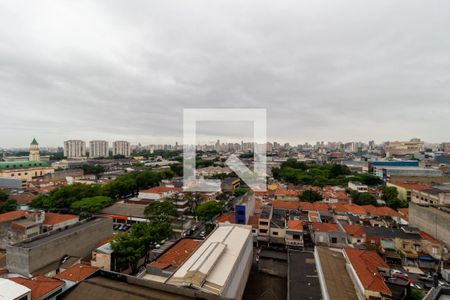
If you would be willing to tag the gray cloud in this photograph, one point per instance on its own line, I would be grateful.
(325, 70)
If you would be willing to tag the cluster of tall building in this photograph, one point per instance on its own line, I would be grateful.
(97, 148)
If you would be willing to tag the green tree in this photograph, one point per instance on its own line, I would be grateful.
(3, 195)
(92, 205)
(128, 249)
(367, 179)
(240, 191)
(415, 294)
(207, 210)
(363, 198)
(160, 210)
(310, 196)
(8, 205)
(389, 193)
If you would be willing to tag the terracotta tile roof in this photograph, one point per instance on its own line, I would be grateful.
(428, 237)
(177, 254)
(160, 190)
(412, 185)
(325, 227)
(12, 215)
(77, 272)
(282, 192)
(253, 220)
(54, 218)
(227, 217)
(295, 224)
(354, 229)
(289, 205)
(381, 211)
(24, 198)
(349, 208)
(404, 211)
(320, 206)
(39, 285)
(366, 264)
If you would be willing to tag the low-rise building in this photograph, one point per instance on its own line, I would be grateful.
(405, 189)
(364, 268)
(14, 291)
(355, 234)
(168, 262)
(357, 186)
(438, 195)
(19, 225)
(328, 234)
(30, 256)
(24, 170)
(42, 287)
(294, 234)
(264, 223)
(158, 193)
(221, 264)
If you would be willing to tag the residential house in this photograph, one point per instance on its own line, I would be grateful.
(294, 234)
(328, 234)
(355, 234)
(42, 287)
(364, 267)
(264, 223)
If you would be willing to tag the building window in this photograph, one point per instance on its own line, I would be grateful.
(405, 245)
(275, 232)
(296, 236)
(434, 250)
(333, 240)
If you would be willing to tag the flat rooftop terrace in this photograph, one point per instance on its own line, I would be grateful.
(338, 282)
(48, 237)
(303, 280)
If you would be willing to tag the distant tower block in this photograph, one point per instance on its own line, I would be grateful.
(34, 151)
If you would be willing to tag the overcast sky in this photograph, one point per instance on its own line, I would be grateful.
(324, 70)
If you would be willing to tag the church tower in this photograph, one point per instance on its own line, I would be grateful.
(34, 151)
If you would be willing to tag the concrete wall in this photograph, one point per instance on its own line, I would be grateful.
(431, 220)
(26, 258)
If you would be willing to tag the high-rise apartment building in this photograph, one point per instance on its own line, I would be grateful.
(74, 149)
(98, 149)
(121, 148)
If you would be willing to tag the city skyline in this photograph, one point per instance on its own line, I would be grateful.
(127, 72)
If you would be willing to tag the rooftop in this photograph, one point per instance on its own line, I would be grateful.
(411, 185)
(295, 224)
(11, 165)
(226, 217)
(54, 218)
(176, 254)
(384, 232)
(354, 229)
(160, 190)
(77, 272)
(337, 280)
(325, 227)
(39, 285)
(11, 290)
(12, 215)
(125, 209)
(303, 281)
(366, 265)
(211, 266)
(56, 234)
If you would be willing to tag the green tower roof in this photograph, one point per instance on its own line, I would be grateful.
(34, 142)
